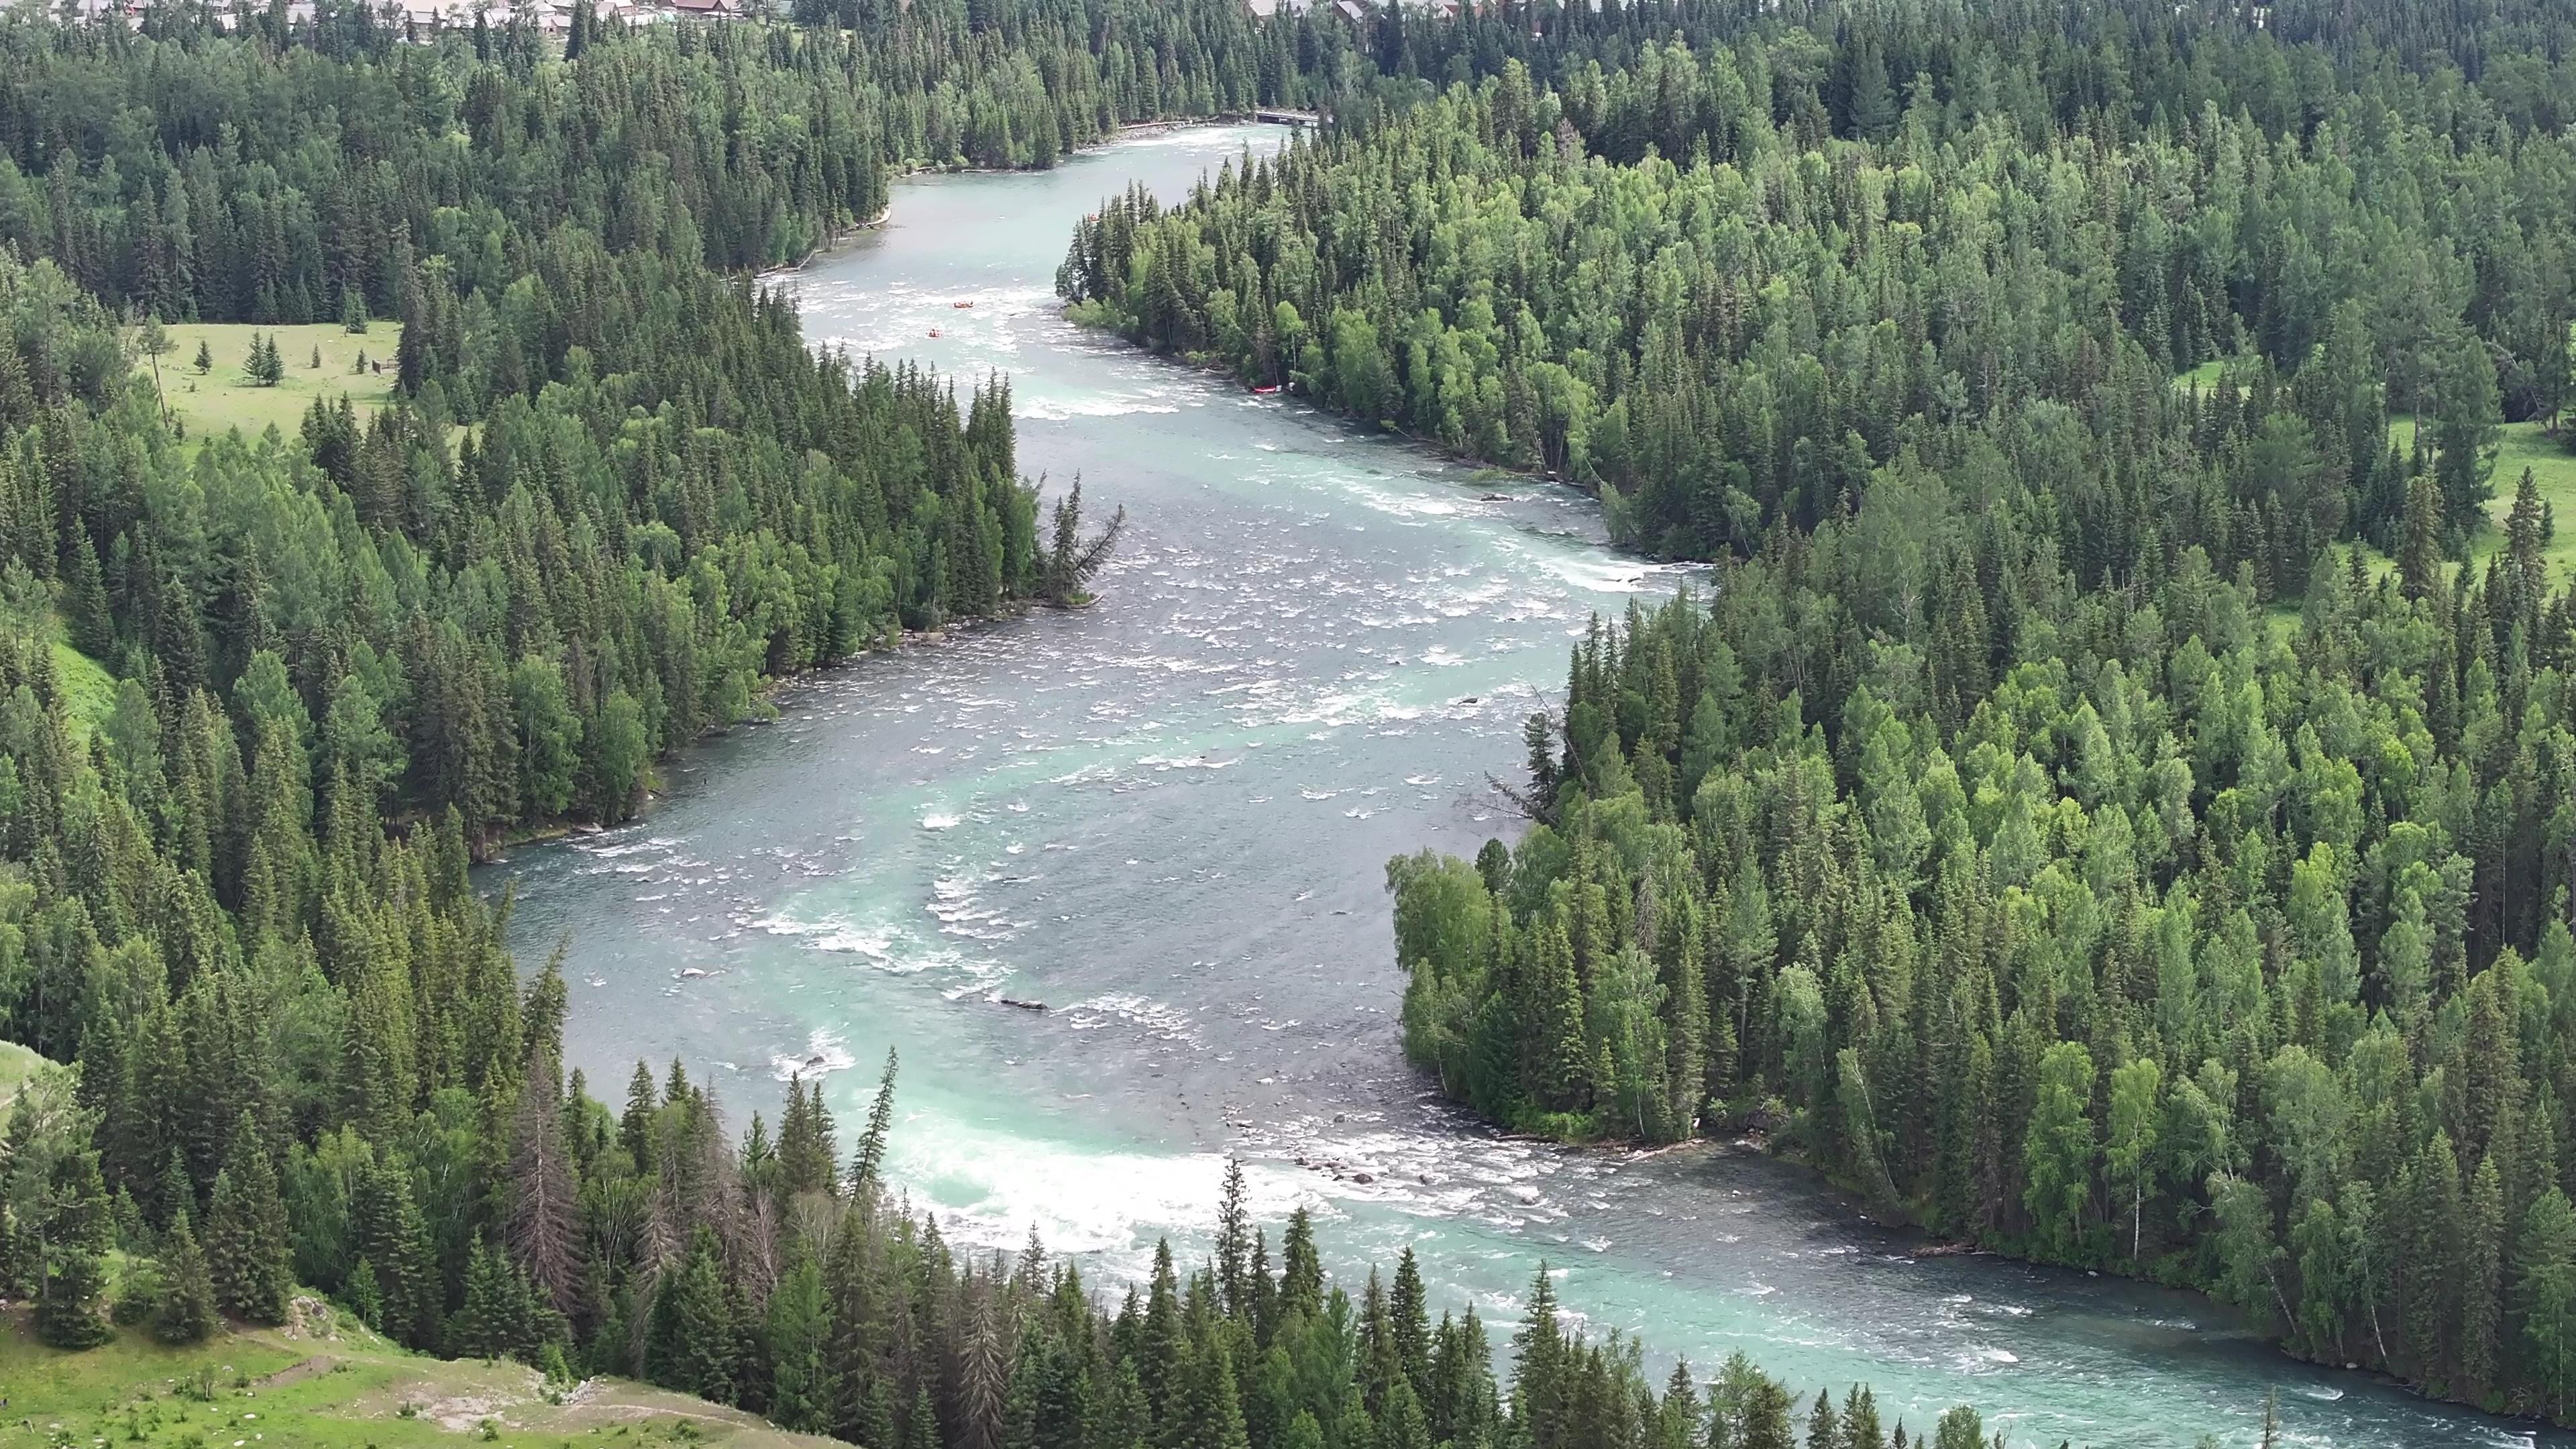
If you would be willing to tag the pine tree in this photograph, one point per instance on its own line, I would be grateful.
(691, 1344)
(493, 1320)
(247, 1234)
(386, 1229)
(186, 1313)
(2419, 562)
(2481, 1284)
(635, 1129)
(85, 608)
(1234, 1243)
(75, 1235)
(868, 1164)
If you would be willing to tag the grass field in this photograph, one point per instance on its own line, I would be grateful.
(17, 1064)
(2204, 376)
(88, 689)
(2552, 462)
(225, 397)
(325, 1382)
(2553, 471)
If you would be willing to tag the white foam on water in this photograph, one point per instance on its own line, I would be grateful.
(990, 1185)
(825, 1053)
(629, 847)
(939, 820)
(1406, 505)
(1105, 405)
(1156, 1018)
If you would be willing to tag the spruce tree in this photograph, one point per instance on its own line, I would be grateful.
(2481, 1284)
(867, 1165)
(492, 1322)
(247, 1234)
(635, 1129)
(1824, 1426)
(75, 1235)
(692, 1340)
(1301, 1270)
(794, 1335)
(186, 1313)
(2419, 562)
(386, 1228)
(85, 608)
(1234, 1243)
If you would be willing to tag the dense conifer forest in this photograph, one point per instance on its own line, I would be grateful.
(1725, 284)
(265, 699)
(2110, 801)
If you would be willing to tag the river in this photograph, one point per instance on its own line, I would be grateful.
(1167, 818)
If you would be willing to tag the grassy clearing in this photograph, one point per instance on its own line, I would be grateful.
(17, 1064)
(88, 689)
(2552, 461)
(2553, 470)
(2206, 375)
(224, 397)
(325, 1382)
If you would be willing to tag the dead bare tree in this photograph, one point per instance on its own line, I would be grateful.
(543, 1231)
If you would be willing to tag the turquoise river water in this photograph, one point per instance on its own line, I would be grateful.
(1167, 817)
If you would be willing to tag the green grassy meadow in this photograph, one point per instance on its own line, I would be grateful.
(17, 1064)
(224, 397)
(87, 687)
(326, 1382)
(2553, 471)
(2552, 461)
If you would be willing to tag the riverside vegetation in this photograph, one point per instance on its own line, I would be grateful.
(2096, 809)
(264, 699)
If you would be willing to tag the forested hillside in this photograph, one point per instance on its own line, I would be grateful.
(297, 175)
(1702, 289)
(2112, 816)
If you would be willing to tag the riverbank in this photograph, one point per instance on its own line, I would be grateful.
(494, 850)
(1127, 131)
(1094, 316)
